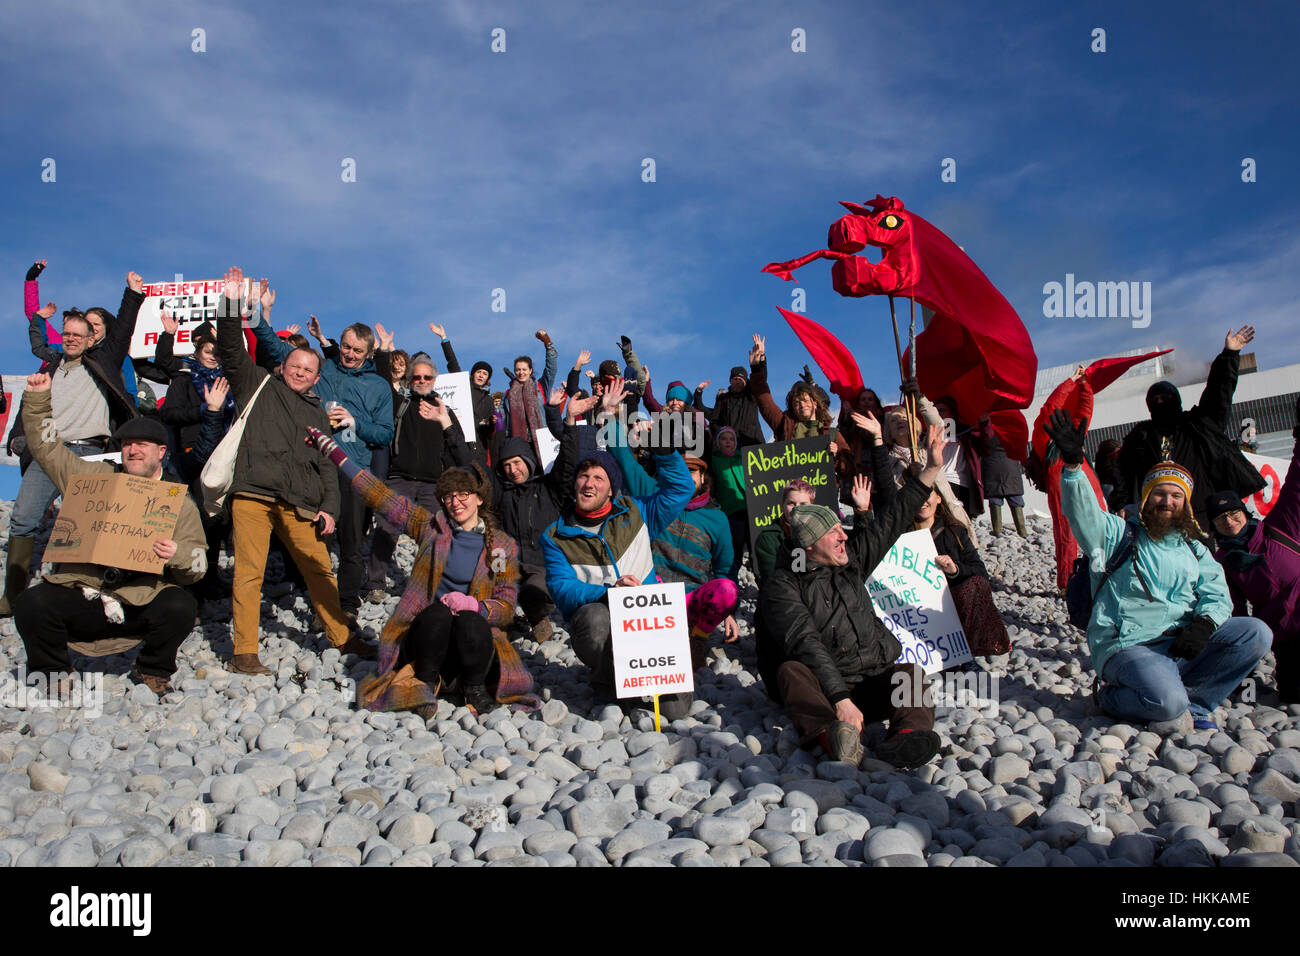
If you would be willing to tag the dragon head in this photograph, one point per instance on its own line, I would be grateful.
(881, 222)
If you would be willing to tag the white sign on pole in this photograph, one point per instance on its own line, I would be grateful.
(452, 389)
(909, 593)
(1274, 472)
(652, 646)
(548, 447)
(191, 303)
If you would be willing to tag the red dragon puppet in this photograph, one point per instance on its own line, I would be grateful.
(974, 347)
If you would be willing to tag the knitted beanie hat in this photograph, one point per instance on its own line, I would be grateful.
(810, 523)
(606, 461)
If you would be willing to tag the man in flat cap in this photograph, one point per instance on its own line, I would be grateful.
(101, 610)
(841, 666)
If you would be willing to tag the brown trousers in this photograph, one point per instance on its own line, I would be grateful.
(253, 521)
(892, 694)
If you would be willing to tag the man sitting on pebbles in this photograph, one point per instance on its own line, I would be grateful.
(110, 608)
(1161, 631)
(840, 669)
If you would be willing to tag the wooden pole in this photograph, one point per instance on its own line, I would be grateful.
(902, 371)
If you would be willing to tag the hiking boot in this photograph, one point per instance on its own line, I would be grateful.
(543, 630)
(248, 664)
(1182, 724)
(843, 742)
(909, 748)
(377, 596)
(359, 646)
(159, 685)
(426, 712)
(476, 696)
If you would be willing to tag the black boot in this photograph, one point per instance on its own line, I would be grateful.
(17, 572)
(476, 696)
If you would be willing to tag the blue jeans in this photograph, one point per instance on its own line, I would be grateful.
(35, 494)
(1145, 683)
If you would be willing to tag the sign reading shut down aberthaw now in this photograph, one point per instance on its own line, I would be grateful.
(652, 647)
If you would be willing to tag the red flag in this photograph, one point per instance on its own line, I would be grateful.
(975, 348)
(835, 361)
(1104, 371)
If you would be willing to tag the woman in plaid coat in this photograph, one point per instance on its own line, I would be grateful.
(448, 631)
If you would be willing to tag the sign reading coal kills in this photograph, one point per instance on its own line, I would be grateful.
(652, 647)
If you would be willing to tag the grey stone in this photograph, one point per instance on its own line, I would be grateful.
(348, 830)
(722, 831)
(891, 841)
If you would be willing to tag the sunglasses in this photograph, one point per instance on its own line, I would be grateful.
(422, 378)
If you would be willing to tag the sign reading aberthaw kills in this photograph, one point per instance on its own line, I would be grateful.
(114, 520)
(769, 468)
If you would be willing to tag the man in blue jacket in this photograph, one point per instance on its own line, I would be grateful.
(602, 541)
(1161, 631)
(360, 407)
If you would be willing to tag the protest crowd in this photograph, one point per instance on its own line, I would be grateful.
(332, 450)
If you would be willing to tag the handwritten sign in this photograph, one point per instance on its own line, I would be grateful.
(191, 303)
(452, 389)
(910, 595)
(114, 519)
(769, 468)
(652, 646)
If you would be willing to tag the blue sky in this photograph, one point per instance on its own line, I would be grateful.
(522, 170)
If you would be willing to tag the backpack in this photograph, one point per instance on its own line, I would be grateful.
(1079, 594)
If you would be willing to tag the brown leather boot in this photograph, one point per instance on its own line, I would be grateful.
(159, 685)
(248, 664)
(359, 646)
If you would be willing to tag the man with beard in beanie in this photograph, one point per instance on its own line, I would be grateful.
(840, 669)
(602, 541)
(737, 407)
(1161, 631)
(1261, 559)
(1196, 439)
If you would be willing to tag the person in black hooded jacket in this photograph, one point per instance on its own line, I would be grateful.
(427, 440)
(530, 500)
(1197, 439)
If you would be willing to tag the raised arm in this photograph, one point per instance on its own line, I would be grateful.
(236, 363)
(1221, 384)
(117, 340)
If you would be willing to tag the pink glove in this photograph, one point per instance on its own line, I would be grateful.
(457, 602)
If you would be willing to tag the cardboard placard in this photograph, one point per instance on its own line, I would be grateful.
(769, 468)
(548, 447)
(452, 389)
(114, 519)
(652, 647)
(910, 595)
(191, 303)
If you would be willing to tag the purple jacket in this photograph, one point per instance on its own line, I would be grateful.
(1273, 586)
